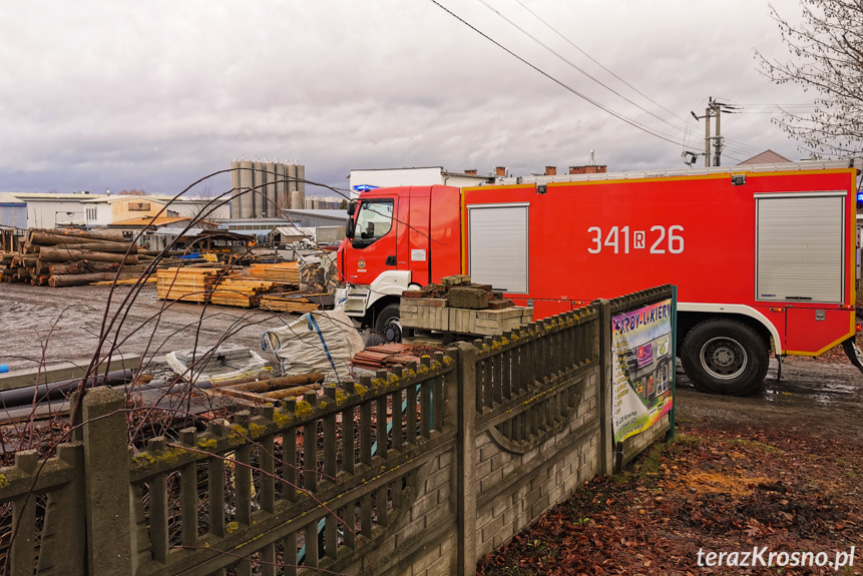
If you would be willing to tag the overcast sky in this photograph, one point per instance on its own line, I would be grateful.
(157, 94)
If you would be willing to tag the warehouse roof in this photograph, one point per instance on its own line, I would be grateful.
(7, 198)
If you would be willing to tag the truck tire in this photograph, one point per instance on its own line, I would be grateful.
(725, 357)
(388, 323)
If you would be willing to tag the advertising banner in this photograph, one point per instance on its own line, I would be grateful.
(643, 368)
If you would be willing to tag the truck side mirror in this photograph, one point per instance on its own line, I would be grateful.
(352, 207)
(349, 228)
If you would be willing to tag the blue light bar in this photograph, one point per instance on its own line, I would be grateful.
(860, 197)
(364, 187)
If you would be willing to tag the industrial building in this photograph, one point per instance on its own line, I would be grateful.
(106, 210)
(51, 210)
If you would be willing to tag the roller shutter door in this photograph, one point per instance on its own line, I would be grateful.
(499, 246)
(800, 247)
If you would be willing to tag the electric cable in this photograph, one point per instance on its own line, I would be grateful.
(560, 83)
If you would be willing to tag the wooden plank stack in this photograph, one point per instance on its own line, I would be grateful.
(297, 302)
(187, 284)
(241, 292)
(68, 257)
(283, 273)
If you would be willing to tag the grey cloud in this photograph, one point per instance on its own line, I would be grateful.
(153, 95)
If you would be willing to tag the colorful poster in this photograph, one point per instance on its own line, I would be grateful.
(643, 368)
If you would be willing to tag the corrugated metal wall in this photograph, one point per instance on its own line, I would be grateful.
(13, 216)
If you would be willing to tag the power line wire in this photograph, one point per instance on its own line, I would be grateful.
(574, 66)
(560, 83)
(595, 61)
(686, 121)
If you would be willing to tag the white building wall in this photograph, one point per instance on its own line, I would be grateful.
(208, 208)
(429, 176)
(97, 214)
(53, 213)
(465, 181)
(395, 177)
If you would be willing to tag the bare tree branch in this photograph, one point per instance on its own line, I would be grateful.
(826, 51)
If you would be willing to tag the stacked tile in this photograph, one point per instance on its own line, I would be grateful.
(384, 356)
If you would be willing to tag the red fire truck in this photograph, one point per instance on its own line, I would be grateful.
(763, 255)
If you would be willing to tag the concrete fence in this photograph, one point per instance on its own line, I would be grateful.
(416, 471)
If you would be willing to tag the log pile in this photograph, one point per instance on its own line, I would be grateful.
(68, 257)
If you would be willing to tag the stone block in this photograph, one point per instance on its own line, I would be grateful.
(433, 290)
(424, 313)
(500, 304)
(455, 280)
(467, 297)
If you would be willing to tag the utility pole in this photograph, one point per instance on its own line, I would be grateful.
(707, 113)
(717, 144)
(714, 110)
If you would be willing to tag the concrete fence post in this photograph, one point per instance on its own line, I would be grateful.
(106, 465)
(466, 486)
(606, 370)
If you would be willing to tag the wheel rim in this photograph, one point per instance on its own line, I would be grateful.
(724, 358)
(393, 330)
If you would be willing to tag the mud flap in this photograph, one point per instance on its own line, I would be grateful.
(853, 352)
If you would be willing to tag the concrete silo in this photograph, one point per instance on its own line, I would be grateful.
(235, 189)
(282, 198)
(259, 189)
(301, 180)
(270, 208)
(298, 187)
(246, 182)
(291, 171)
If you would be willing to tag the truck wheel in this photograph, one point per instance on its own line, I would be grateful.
(388, 323)
(725, 357)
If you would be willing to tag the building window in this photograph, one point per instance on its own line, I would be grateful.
(139, 206)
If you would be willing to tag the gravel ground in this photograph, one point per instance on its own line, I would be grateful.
(64, 324)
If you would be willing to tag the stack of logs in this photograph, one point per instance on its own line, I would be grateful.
(68, 257)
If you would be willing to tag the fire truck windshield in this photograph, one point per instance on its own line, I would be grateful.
(374, 220)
